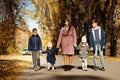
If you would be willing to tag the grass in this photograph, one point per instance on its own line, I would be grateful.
(108, 58)
(11, 69)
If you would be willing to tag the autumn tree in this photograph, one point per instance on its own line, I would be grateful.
(9, 19)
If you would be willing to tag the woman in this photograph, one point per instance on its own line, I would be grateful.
(67, 39)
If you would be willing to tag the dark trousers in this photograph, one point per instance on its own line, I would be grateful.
(36, 58)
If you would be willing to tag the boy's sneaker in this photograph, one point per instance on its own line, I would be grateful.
(35, 68)
(102, 69)
(38, 67)
(95, 68)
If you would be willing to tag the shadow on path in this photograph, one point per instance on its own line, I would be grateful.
(70, 77)
(65, 67)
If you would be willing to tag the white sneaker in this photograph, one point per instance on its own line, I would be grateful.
(48, 66)
(53, 68)
(83, 68)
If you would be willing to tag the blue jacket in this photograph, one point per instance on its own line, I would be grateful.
(101, 36)
(35, 43)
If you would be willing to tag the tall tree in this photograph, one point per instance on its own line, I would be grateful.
(10, 18)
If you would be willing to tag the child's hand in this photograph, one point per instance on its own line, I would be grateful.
(75, 45)
(40, 51)
(91, 48)
(76, 48)
(103, 47)
(30, 51)
(58, 47)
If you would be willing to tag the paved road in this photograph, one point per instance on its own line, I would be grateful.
(112, 71)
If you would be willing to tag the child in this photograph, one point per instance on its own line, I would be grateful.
(83, 52)
(97, 43)
(35, 45)
(50, 55)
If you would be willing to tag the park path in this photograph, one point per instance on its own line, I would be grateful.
(112, 71)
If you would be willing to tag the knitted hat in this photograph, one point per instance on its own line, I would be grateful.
(49, 44)
(84, 39)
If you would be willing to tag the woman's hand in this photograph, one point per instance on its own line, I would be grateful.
(103, 47)
(58, 47)
(75, 45)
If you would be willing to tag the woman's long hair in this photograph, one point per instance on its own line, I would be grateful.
(68, 24)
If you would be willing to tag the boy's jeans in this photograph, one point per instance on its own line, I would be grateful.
(36, 58)
(98, 48)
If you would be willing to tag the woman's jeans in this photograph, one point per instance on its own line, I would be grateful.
(36, 58)
(100, 49)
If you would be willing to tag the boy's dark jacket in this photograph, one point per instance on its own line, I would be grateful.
(35, 43)
(102, 41)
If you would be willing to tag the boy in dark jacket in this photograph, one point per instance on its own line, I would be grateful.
(97, 43)
(50, 55)
(35, 45)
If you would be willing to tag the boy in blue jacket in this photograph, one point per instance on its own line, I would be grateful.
(97, 43)
(34, 46)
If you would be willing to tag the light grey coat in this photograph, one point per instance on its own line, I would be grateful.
(83, 51)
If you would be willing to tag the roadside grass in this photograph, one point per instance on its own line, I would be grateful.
(11, 69)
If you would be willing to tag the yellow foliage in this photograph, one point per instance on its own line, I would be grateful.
(10, 49)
